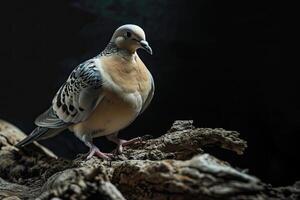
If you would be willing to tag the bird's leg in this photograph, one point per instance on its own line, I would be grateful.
(121, 143)
(95, 151)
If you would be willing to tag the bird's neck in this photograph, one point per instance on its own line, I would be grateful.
(112, 49)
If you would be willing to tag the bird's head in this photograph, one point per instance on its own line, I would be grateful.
(131, 37)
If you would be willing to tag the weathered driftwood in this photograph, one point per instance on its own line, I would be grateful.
(173, 166)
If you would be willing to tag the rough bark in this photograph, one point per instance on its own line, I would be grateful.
(173, 166)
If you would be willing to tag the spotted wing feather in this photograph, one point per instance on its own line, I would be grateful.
(76, 98)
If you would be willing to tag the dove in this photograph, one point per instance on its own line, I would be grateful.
(102, 95)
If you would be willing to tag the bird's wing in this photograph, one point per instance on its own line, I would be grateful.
(150, 95)
(76, 98)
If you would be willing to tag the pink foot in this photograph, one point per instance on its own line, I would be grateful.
(123, 143)
(129, 142)
(94, 151)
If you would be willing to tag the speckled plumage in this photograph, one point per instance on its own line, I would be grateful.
(102, 95)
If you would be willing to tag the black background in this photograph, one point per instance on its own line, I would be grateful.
(219, 65)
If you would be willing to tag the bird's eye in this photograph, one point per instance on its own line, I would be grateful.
(128, 34)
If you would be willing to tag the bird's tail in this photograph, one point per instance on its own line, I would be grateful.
(36, 134)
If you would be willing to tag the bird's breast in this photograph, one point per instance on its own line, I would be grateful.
(125, 88)
(112, 114)
(129, 76)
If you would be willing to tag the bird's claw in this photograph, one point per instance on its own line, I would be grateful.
(129, 142)
(123, 143)
(94, 151)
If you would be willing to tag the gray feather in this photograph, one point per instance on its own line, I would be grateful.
(35, 134)
(39, 133)
(50, 133)
(73, 102)
(50, 119)
(149, 97)
(76, 98)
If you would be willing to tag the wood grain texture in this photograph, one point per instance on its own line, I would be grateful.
(173, 166)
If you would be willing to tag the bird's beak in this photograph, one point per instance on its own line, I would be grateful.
(144, 44)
